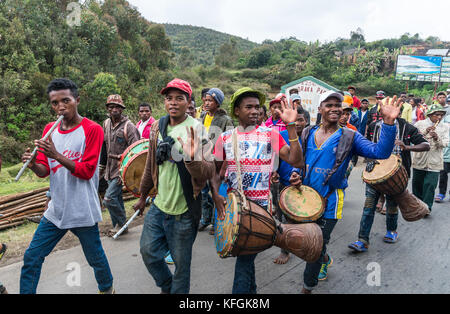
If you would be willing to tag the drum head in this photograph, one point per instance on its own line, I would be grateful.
(133, 171)
(383, 170)
(226, 230)
(302, 206)
(133, 164)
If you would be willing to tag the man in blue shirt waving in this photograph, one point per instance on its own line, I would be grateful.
(328, 149)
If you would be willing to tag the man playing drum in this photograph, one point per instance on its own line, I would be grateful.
(257, 146)
(175, 173)
(120, 133)
(408, 140)
(328, 150)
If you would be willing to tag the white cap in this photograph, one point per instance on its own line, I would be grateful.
(330, 94)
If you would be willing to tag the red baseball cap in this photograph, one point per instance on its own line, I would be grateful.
(278, 99)
(180, 85)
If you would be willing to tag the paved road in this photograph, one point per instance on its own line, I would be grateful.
(418, 263)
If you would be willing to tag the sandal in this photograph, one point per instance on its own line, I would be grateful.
(359, 246)
(439, 198)
(391, 237)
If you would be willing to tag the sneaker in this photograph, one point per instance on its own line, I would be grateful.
(202, 226)
(3, 250)
(168, 259)
(391, 237)
(324, 270)
(3, 290)
(359, 246)
(109, 291)
(439, 198)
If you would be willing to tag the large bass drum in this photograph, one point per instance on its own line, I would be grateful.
(132, 165)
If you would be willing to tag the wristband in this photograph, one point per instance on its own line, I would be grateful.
(292, 123)
(294, 140)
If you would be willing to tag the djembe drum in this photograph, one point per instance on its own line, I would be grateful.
(302, 205)
(246, 231)
(390, 177)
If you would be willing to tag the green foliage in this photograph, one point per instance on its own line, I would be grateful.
(115, 50)
(205, 44)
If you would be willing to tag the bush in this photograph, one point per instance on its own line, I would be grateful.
(11, 150)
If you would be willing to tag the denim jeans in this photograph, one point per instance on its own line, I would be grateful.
(368, 216)
(244, 274)
(44, 241)
(162, 233)
(114, 202)
(312, 270)
(207, 207)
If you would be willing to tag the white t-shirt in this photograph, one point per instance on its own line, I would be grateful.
(74, 199)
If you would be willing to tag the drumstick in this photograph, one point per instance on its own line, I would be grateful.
(33, 154)
(126, 225)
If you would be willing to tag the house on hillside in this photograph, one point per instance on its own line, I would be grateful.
(417, 50)
(351, 55)
(438, 52)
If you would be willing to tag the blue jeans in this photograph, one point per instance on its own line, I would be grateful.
(244, 274)
(44, 241)
(113, 200)
(207, 207)
(372, 197)
(162, 233)
(312, 270)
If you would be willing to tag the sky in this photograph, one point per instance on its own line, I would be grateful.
(323, 20)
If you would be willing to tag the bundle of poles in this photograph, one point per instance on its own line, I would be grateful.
(16, 209)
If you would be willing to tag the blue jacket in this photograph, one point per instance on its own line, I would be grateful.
(354, 120)
(363, 122)
(285, 170)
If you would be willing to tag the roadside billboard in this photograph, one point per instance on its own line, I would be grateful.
(418, 68)
(445, 71)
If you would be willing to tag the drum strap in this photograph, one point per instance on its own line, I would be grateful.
(194, 203)
(237, 159)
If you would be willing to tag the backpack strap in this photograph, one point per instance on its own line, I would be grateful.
(343, 150)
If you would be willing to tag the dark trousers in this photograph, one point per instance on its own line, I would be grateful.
(207, 207)
(424, 185)
(312, 270)
(443, 179)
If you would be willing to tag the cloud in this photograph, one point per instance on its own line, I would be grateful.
(323, 20)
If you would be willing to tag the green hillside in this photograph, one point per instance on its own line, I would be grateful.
(204, 43)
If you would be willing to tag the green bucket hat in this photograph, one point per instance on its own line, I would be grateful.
(435, 108)
(242, 91)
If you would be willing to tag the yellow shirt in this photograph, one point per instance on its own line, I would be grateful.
(407, 112)
(208, 121)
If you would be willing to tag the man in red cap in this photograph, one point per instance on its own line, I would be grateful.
(275, 122)
(176, 171)
(356, 101)
(120, 133)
